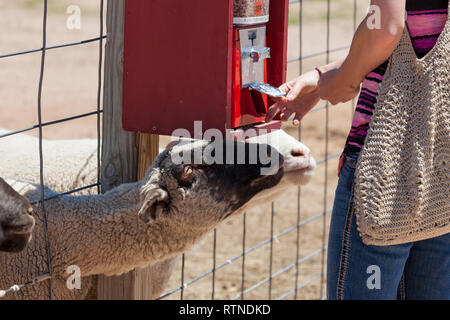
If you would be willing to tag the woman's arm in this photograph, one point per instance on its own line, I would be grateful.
(370, 48)
(341, 79)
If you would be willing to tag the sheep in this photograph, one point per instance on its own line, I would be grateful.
(68, 164)
(72, 164)
(16, 222)
(135, 224)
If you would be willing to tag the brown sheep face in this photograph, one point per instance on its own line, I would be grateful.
(199, 183)
(16, 222)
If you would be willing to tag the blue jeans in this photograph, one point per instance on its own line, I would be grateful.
(417, 270)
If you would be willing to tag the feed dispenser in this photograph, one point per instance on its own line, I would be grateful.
(250, 87)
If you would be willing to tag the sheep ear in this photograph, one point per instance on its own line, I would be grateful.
(155, 202)
(171, 144)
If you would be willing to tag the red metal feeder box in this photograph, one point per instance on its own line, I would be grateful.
(202, 60)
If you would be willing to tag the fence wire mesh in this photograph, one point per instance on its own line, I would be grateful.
(47, 274)
(300, 257)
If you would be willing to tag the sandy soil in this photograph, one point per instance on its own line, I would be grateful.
(70, 88)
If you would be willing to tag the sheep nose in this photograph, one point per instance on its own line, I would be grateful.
(300, 157)
(298, 153)
(301, 153)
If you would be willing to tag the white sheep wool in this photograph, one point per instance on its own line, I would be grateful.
(402, 179)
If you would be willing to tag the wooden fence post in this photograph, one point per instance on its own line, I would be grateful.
(122, 160)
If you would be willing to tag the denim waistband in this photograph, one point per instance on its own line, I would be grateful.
(351, 159)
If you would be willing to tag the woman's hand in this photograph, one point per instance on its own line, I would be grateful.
(302, 95)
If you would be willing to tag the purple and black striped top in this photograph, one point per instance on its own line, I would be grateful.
(426, 20)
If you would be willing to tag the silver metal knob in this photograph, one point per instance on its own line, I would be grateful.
(258, 54)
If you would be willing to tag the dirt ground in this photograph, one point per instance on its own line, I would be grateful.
(70, 88)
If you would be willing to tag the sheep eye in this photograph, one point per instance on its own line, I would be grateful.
(188, 170)
(187, 177)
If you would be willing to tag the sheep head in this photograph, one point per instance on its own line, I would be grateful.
(199, 183)
(16, 222)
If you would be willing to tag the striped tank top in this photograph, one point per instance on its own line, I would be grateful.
(426, 20)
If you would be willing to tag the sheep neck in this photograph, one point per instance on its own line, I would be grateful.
(114, 240)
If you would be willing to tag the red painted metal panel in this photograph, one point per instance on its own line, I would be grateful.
(177, 64)
(277, 35)
(181, 65)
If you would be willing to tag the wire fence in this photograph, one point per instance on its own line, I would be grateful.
(47, 274)
(300, 222)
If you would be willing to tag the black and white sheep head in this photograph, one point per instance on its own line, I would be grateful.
(16, 222)
(200, 183)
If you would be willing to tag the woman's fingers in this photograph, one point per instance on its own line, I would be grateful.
(295, 91)
(302, 93)
(304, 84)
(286, 114)
(286, 87)
(274, 110)
(297, 119)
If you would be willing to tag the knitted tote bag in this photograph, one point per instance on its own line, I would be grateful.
(402, 178)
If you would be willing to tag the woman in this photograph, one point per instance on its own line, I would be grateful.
(417, 270)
